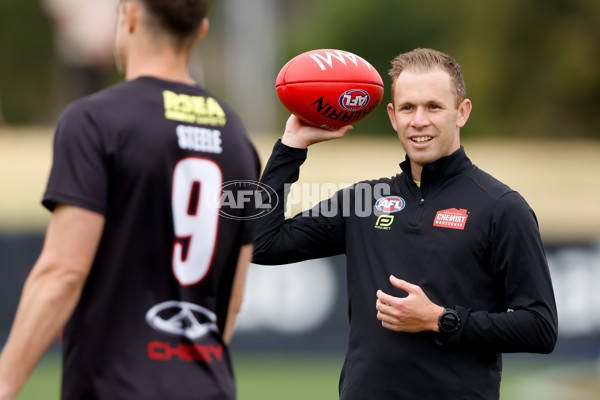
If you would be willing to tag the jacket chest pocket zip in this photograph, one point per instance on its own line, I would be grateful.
(418, 213)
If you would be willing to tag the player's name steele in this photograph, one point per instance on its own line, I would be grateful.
(199, 139)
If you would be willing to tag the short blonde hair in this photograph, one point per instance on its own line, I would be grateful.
(424, 60)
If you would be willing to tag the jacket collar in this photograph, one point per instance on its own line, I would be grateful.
(442, 168)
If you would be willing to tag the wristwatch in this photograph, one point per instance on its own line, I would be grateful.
(448, 322)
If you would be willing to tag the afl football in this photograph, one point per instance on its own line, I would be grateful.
(329, 88)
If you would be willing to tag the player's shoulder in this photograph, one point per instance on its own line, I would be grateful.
(487, 183)
(501, 196)
(99, 101)
(134, 99)
(148, 88)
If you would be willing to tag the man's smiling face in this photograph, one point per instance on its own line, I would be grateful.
(425, 116)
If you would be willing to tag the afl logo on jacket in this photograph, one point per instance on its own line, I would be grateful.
(390, 204)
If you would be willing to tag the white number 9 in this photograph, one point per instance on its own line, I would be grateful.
(195, 203)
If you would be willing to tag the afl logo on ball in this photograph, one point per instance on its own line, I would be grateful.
(390, 204)
(354, 99)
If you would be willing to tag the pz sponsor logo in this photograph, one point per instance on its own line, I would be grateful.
(384, 222)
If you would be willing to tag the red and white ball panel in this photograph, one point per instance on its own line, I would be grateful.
(329, 88)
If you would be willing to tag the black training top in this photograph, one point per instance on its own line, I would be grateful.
(469, 241)
(154, 157)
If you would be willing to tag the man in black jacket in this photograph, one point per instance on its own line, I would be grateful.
(450, 257)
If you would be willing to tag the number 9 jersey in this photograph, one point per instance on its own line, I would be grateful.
(157, 159)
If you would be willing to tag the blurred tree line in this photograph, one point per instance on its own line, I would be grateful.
(35, 83)
(26, 56)
(531, 66)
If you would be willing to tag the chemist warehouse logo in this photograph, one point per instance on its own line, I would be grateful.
(451, 218)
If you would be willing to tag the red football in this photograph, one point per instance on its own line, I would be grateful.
(329, 88)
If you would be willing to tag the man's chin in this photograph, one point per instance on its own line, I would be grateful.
(421, 157)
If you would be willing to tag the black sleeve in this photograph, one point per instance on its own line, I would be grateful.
(79, 174)
(519, 262)
(308, 235)
(250, 207)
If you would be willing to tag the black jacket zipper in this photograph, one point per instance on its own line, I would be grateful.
(418, 213)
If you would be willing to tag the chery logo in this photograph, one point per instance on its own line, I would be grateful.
(180, 318)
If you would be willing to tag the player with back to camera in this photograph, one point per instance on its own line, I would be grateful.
(446, 273)
(138, 261)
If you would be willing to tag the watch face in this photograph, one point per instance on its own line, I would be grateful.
(449, 322)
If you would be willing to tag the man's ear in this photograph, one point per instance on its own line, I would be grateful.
(204, 25)
(392, 114)
(464, 110)
(132, 14)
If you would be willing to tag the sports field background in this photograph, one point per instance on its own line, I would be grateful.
(294, 376)
(560, 179)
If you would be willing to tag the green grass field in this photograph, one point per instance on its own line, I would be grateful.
(292, 376)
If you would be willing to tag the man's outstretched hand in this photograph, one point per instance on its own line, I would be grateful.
(301, 135)
(413, 313)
